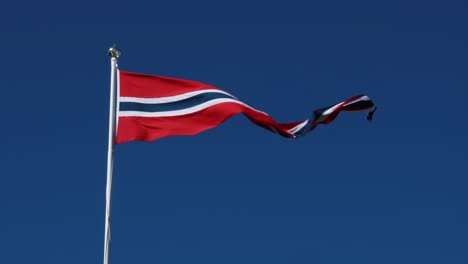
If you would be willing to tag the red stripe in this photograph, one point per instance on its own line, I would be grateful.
(152, 86)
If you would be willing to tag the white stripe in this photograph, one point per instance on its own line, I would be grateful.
(331, 109)
(298, 127)
(362, 98)
(328, 112)
(169, 99)
(186, 111)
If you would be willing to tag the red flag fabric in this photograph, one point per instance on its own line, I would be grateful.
(152, 107)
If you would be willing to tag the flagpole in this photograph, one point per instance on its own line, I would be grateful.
(114, 53)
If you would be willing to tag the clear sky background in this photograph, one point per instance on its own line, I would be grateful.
(390, 191)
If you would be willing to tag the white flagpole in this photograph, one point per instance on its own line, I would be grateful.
(114, 53)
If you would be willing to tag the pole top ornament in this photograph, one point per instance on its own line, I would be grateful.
(114, 52)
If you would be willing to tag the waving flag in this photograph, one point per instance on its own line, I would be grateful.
(152, 107)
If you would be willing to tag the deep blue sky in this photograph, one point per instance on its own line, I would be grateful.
(390, 191)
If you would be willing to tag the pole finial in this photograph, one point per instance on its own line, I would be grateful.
(114, 52)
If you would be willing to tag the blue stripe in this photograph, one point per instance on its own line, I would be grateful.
(172, 106)
(359, 105)
(310, 122)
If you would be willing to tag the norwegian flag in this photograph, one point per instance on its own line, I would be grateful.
(151, 107)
